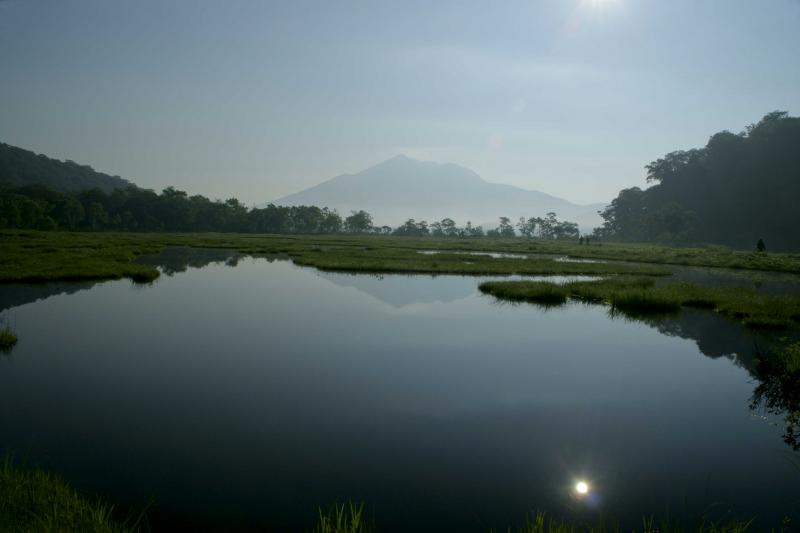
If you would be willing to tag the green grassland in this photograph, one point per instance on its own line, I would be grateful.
(30, 256)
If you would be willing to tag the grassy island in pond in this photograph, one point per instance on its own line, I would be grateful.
(636, 296)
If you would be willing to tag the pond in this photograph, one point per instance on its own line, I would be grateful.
(246, 392)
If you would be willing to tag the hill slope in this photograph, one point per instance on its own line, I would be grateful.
(19, 167)
(402, 188)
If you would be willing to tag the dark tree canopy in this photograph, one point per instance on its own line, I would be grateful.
(135, 209)
(735, 190)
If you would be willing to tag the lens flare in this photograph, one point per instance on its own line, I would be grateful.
(581, 487)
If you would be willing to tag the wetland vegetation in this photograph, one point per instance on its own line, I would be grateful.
(34, 501)
(34, 256)
(7, 338)
(637, 296)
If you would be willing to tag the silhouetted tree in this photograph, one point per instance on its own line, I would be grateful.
(358, 222)
(732, 191)
(411, 228)
(505, 228)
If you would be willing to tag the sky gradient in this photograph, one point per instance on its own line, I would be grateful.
(258, 99)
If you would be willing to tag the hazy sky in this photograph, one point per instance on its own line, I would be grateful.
(258, 99)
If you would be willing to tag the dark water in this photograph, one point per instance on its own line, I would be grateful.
(246, 395)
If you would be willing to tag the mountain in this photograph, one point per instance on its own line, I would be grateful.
(19, 167)
(402, 188)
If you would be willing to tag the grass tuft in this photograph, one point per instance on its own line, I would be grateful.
(540, 292)
(8, 339)
(32, 500)
(342, 518)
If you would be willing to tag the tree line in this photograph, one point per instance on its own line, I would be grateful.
(737, 189)
(134, 209)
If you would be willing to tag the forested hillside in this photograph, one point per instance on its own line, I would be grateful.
(736, 190)
(19, 167)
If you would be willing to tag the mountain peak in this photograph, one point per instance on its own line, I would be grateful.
(408, 169)
(403, 187)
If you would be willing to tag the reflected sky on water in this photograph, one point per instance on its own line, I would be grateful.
(249, 392)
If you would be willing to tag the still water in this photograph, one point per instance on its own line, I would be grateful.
(245, 395)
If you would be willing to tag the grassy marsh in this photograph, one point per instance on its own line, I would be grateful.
(635, 296)
(32, 256)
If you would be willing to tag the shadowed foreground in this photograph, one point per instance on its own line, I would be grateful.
(32, 500)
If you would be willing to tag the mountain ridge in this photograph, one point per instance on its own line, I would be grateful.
(402, 187)
(20, 167)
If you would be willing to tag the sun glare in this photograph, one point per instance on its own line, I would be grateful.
(600, 4)
(581, 487)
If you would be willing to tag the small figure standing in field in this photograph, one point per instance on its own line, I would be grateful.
(761, 247)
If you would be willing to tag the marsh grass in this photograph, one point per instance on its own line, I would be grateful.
(32, 256)
(32, 500)
(539, 292)
(541, 523)
(342, 518)
(634, 301)
(8, 339)
(639, 296)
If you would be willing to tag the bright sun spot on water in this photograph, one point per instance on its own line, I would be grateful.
(581, 487)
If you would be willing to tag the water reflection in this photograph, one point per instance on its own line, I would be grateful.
(249, 397)
(777, 390)
(402, 290)
(175, 259)
(17, 294)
